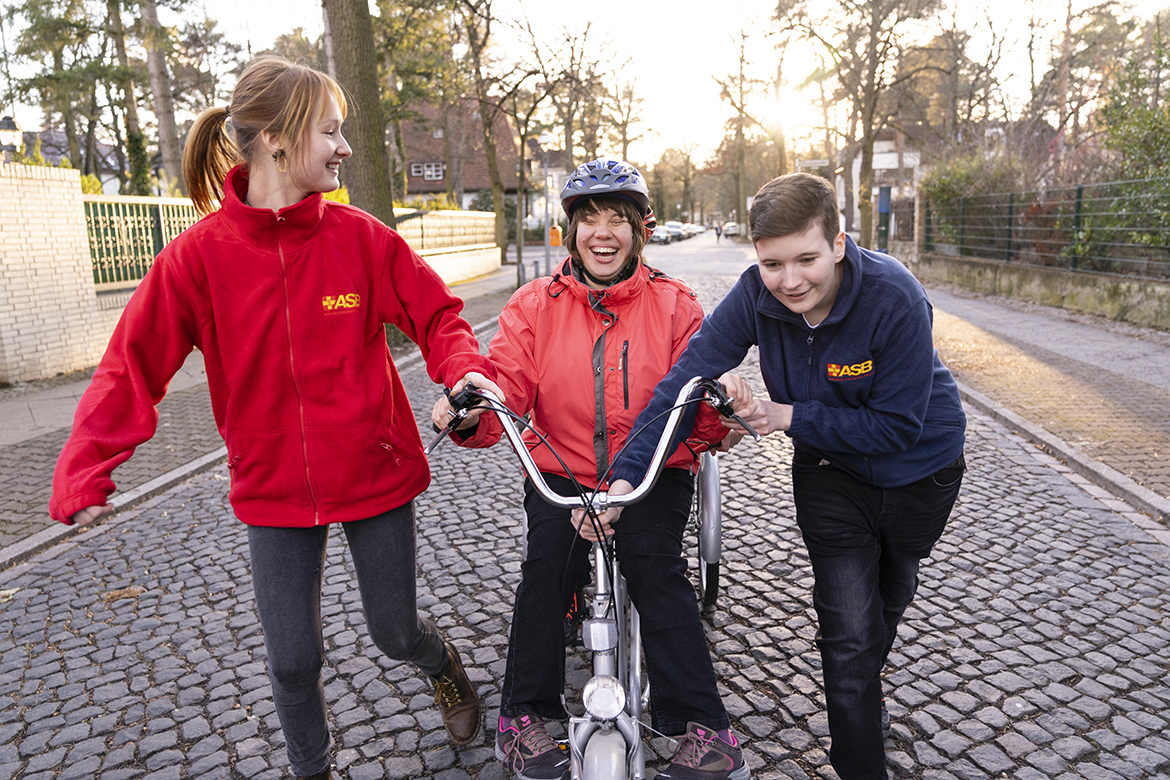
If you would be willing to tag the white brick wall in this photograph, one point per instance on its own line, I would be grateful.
(49, 318)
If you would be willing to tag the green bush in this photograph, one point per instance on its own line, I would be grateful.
(91, 185)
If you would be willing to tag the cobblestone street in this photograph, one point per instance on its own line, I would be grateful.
(1038, 645)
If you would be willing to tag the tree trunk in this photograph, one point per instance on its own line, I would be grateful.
(65, 105)
(139, 175)
(357, 71)
(478, 18)
(487, 116)
(160, 87)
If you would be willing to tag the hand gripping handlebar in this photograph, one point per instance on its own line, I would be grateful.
(469, 396)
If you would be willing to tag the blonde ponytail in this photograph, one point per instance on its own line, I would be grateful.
(210, 153)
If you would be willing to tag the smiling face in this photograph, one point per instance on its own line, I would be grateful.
(605, 242)
(317, 162)
(803, 270)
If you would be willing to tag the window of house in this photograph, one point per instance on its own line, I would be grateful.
(432, 171)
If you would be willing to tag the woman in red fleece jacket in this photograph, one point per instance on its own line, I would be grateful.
(286, 295)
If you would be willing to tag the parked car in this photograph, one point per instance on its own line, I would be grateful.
(731, 229)
(661, 235)
(676, 230)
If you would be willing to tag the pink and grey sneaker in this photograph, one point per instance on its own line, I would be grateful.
(703, 755)
(523, 745)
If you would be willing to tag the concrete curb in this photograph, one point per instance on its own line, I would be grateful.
(42, 540)
(1112, 480)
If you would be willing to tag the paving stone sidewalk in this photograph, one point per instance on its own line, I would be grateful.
(186, 432)
(1112, 408)
(1038, 646)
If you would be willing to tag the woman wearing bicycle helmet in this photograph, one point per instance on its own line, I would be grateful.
(581, 352)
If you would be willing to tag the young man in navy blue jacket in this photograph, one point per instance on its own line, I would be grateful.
(876, 423)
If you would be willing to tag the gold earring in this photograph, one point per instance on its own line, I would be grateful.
(279, 159)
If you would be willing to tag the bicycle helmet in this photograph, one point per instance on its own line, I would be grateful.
(605, 176)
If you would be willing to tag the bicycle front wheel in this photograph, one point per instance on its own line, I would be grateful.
(708, 508)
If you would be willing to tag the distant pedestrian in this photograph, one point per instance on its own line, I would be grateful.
(876, 424)
(286, 296)
(718, 233)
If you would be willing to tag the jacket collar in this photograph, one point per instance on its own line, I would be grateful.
(296, 222)
(614, 295)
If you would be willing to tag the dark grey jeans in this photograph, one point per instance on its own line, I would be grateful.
(287, 566)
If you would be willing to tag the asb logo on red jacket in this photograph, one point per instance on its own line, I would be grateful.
(839, 373)
(335, 304)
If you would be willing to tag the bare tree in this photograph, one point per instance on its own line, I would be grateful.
(155, 39)
(869, 55)
(139, 179)
(623, 113)
(477, 20)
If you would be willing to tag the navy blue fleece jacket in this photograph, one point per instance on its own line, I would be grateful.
(868, 391)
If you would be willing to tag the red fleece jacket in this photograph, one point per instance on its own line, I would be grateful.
(288, 309)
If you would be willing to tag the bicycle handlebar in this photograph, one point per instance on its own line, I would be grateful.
(600, 500)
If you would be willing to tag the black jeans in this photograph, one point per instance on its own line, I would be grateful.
(865, 544)
(649, 538)
(287, 565)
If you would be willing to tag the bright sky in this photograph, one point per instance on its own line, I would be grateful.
(674, 49)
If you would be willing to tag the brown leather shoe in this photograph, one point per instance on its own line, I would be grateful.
(456, 698)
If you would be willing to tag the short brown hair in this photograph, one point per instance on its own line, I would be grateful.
(791, 204)
(272, 95)
(616, 203)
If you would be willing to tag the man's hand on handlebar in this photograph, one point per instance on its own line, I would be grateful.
(763, 415)
(442, 411)
(587, 528)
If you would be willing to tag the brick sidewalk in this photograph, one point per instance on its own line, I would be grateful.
(186, 432)
(1114, 417)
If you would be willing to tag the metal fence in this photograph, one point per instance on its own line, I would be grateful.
(1120, 227)
(126, 233)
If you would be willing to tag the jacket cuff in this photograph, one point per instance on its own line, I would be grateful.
(63, 511)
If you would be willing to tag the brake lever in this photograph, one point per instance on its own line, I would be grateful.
(461, 403)
(720, 401)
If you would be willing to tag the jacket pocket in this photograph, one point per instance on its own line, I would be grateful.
(267, 467)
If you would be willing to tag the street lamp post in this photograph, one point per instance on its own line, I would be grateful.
(545, 139)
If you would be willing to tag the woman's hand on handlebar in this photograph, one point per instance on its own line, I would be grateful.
(442, 412)
(588, 529)
(764, 415)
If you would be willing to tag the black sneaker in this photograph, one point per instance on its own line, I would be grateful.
(526, 748)
(702, 755)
